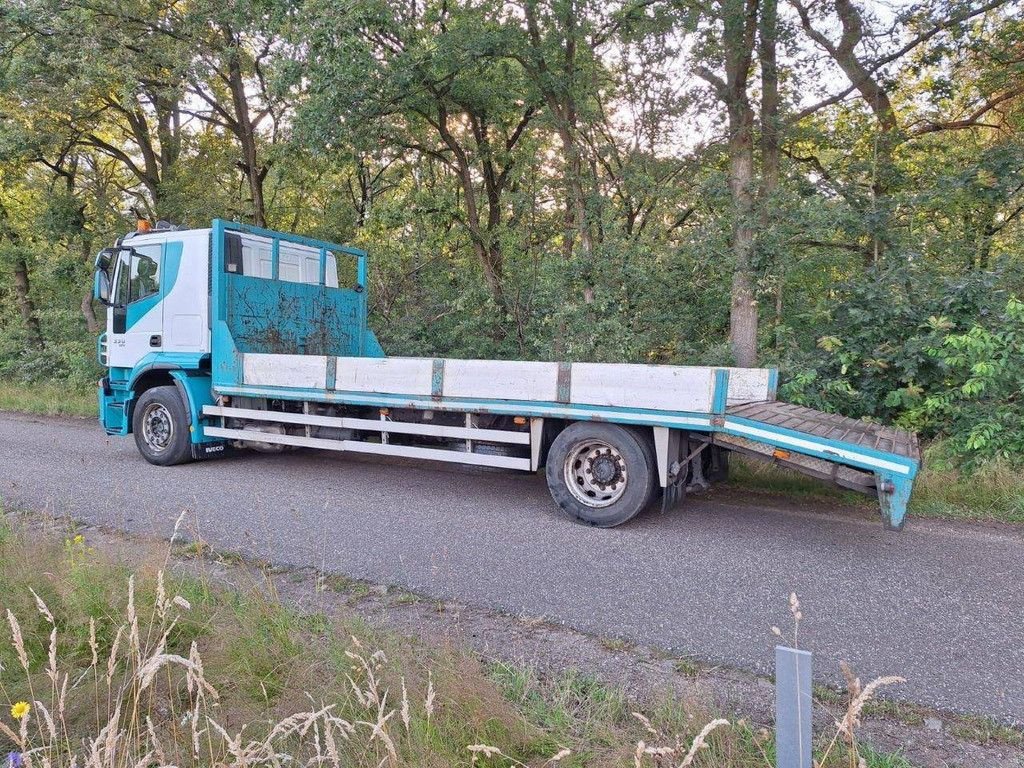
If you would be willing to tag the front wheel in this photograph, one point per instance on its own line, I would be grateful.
(160, 426)
(601, 474)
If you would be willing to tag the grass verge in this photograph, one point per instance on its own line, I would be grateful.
(110, 664)
(992, 493)
(46, 398)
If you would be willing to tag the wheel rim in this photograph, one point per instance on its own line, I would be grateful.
(595, 473)
(157, 427)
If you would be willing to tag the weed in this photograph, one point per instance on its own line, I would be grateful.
(121, 666)
(616, 644)
(686, 667)
(982, 730)
(47, 399)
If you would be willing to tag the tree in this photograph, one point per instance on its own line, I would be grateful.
(439, 82)
(732, 35)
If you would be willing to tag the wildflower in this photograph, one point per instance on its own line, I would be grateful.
(20, 709)
(14, 760)
(79, 539)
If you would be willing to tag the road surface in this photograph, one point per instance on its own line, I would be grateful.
(940, 604)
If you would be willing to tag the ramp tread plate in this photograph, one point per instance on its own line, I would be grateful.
(830, 426)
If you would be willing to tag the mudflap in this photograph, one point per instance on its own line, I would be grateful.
(674, 493)
(210, 450)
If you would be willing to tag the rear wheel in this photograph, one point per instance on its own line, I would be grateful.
(160, 426)
(601, 474)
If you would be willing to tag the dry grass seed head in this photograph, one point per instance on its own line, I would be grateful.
(41, 607)
(700, 741)
(17, 640)
(646, 723)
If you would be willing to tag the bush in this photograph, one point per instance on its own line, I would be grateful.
(979, 404)
(942, 356)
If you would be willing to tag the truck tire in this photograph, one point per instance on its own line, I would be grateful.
(160, 426)
(601, 474)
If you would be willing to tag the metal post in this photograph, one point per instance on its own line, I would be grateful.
(792, 707)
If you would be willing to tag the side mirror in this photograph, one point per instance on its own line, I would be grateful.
(101, 287)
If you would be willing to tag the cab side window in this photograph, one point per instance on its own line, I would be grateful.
(145, 272)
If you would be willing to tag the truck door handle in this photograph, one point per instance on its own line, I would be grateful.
(155, 340)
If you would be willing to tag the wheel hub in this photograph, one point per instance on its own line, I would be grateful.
(157, 427)
(595, 473)
(604, 468)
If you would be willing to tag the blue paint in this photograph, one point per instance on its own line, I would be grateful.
(773, 383)
(138, 309)
(252, 314)
(166, 361)
(227, 362)
(198, 390)
(824, 445)
(113, 409)
(893, 498)
(721, 394)
(437, 377)
(287, 318)
(332, 371)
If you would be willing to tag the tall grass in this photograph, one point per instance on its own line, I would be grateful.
(47, 399)
(111, 665)
(993, 492)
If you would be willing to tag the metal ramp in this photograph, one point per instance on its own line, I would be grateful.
(870, 458)
(831, 426)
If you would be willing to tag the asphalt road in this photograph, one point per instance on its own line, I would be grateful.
(940, 604)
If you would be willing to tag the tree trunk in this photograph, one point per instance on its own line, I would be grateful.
(770, 124)
(743, 311)
(246, 135)
(25, 303)
(91, 323)
(739, 28)
(770, 141)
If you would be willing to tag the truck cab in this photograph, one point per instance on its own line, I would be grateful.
(157, 285)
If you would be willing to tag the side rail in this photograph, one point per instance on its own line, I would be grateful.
(517, 448)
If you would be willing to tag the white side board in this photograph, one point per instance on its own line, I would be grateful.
(657, 387)
(651, 387)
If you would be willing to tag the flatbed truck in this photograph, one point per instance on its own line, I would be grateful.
(237, 336)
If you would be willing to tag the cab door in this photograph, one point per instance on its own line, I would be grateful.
(135, 321)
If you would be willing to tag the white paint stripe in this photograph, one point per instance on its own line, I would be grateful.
(373, 425)
(796, 442)
(354, 446)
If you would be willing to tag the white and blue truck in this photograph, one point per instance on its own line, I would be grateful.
(234, 336)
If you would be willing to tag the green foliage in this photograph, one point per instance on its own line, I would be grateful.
(875, 344)
(979, 404)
